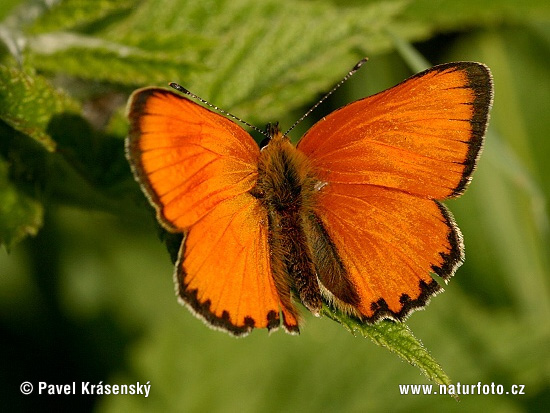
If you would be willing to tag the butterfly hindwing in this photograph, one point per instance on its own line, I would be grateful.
(389, 243)
(223, 271)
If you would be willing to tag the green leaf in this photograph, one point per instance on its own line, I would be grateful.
(397, 338)
(94, 58)
(28, 103)
(69, 14)
(20, 215)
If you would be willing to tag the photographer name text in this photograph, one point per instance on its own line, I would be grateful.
(88, 388)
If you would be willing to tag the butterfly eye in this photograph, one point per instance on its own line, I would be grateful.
(264, 142)
(271, 130)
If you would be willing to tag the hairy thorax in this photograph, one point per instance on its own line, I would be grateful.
(302, 255)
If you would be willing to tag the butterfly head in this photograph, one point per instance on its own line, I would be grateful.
(272, 131)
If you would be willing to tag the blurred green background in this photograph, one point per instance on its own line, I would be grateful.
(86, 290)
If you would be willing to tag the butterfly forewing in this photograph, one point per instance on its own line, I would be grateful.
(422, 136)
(187, 158)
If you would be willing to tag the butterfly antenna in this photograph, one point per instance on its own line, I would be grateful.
(346, 77)
(183, 90)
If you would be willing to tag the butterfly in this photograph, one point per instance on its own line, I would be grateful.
(351, 216)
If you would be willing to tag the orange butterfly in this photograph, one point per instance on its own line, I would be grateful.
(350, 216)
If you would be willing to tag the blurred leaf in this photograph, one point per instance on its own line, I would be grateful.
(20, 215)
(409, 54)
(397, 338)
(69, 14)
(456, 15)
(509, 189)
(28, 103)
(7, 6)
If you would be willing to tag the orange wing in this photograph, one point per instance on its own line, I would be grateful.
(386, 160)
(223, 271)
(422, 136)
(196, 167)
(187, 158)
